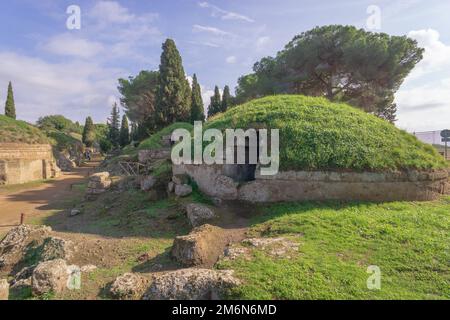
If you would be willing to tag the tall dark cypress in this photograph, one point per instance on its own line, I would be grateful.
(10, 107)
(124, 132)
(197, 109)
(114, 126)
(88, 132)
(173, 97)
(216, 104)
(226, 99)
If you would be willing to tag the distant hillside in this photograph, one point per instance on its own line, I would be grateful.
(15, 131)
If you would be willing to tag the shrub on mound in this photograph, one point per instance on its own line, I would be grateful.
(15, 131)
(318, 134)
(154, 142)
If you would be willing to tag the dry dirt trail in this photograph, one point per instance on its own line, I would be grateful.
(35, 200)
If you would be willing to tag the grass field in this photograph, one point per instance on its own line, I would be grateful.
(318, 134)
(15, 131)
(408, 241)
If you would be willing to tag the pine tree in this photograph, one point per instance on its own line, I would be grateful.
(10, 107)
(216, 103)
(197, 109)
(88, 132)
(173, 97)
(226, 99)
(114, 126)
(124, 132)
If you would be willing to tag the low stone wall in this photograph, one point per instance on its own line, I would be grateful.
(21, 163)
(319, 185)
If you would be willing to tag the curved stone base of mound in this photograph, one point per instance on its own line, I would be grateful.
(412, 185)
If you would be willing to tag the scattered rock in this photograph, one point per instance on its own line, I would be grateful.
(88, 268)
(75, 212)
(202, 247)
(183, 190)
(23, 275)
(191, 284)
(50, 276)
(57, 248)
(4, 289)
(278, 247)
(199, 214)
(234, 251)
(98, 183)
(129, 286)
(65, 163)
(13, 245)
(180, 179)
(147, 183)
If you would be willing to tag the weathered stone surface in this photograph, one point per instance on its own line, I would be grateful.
(147, 183)
(21, 163)
(152, 155)
(88, 268)
(14, 243)
(129, 286)
(278, 247)
(171, 187)
(202, 247)
(180, 179)
(183, 190)
(50, 276)
(24, 274)
(65, 163)
(199, 214)
(4, 289)
(57, 248)
(75, 212)
(191, 284)
(98, 183)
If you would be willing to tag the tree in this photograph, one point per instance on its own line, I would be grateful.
(341, 63)
(139, 98)
(173, 97)
(114, 126)
(216, 104)
(226, 99)
(89, 133)
(58, 122)
(197, 108)
(10, 107)
(124, 132)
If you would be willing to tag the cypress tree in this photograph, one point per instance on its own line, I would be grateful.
(226, 99)
(124, 132)
(114, 126)
(216, 104)
(173, 97)
(10, 107)
(197, 109)
(88, 132)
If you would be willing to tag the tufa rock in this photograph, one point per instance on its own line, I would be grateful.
(98, 183)
(57, 248)
(50, 276)
(202, 247)
(199, 214)
(129, 286)
(191, 284)
(171, 187)
(183, 190)
(180, 179)
(147, 183)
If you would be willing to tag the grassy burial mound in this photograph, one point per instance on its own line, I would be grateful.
(15, 131)
(316, 134)
(155, 141)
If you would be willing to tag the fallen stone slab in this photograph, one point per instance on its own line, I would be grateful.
(191, 284)
(199, 214)
(183, 190)
(129, 286)
(202, 247)
(50, 276)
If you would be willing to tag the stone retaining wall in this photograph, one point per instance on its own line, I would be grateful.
(21, 163)
(319, 185)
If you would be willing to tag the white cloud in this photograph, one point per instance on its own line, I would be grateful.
(212, 30)
(110, 12)
(436, 54)
(261, 42)
(224, 14)
(70, 45)
(231, 59)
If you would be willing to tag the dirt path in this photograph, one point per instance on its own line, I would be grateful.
(37, 199)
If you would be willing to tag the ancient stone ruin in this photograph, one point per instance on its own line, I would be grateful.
(21, 163)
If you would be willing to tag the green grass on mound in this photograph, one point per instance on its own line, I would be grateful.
(318, 134)
(154, 142)
(15, 131)
(408, 241)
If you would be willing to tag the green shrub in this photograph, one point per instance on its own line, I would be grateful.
(154, 142)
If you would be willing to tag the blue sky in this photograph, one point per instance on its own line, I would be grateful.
(74, 72)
